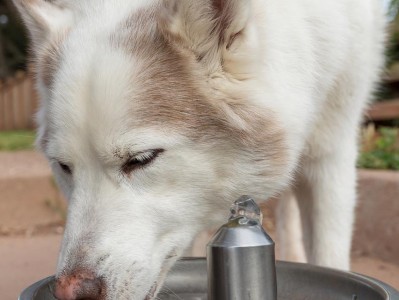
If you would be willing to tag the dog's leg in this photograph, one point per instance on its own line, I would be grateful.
(288, 225)
(326, 198)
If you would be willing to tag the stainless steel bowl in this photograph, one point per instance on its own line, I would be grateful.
(188, 281)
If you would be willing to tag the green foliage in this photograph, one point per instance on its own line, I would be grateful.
(16, 140)
(383, 152)
(13, 41)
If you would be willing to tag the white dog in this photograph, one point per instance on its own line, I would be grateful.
(157, 114)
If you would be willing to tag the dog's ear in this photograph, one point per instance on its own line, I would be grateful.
(44, 18)
(209, 28)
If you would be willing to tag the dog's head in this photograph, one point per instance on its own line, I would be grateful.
(151, 120)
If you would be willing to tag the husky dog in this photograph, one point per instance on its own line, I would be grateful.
(157, 114)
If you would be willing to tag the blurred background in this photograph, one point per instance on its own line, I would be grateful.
(32, 211)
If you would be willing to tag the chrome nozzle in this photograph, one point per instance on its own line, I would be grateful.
(241, 262)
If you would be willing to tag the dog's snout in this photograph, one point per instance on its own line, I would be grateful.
(81, 285)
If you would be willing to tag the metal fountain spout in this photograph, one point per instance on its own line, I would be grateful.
(241, 261)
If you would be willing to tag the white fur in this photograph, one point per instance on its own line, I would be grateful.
(311, 63)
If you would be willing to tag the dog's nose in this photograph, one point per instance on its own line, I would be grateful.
(79, 286)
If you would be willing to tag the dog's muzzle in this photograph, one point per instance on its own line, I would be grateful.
(81, 285)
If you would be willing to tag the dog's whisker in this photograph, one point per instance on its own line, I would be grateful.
(177, 296)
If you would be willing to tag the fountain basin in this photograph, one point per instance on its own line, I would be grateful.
(188, 281)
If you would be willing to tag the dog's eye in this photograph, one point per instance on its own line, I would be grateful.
(141, 160)
(65, 168)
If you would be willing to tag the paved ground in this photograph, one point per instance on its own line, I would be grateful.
(31, 218)
(24, 260)
(29, 199)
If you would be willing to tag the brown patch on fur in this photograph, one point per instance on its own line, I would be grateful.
(44, 43)
(48, 60)
(213, 19)
(223, 19)
(171, 90)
